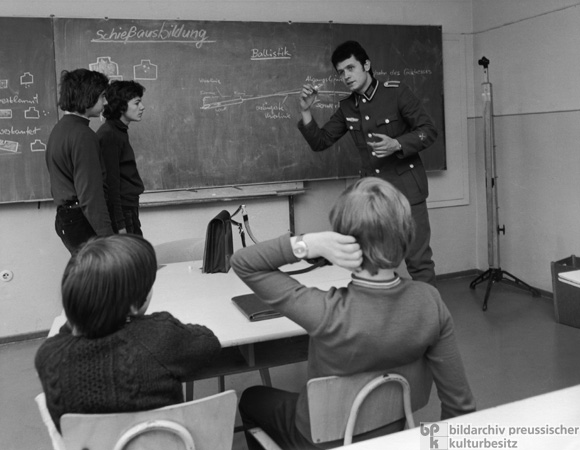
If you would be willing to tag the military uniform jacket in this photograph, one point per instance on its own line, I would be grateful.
(391, 109)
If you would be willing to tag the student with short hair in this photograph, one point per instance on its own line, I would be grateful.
(74, 163)
(380, 321)
(124, 184)
(110, 357)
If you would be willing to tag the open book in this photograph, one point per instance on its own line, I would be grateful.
(254, 308)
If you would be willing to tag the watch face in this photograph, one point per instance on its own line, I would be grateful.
(300, 249)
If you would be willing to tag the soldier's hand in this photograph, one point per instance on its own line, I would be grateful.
(382, 145)
(307, 96)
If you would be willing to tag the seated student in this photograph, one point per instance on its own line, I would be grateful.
(124, 184)
(379, 322)
(110, 357)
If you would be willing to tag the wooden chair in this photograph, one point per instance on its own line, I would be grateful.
(343, 407)
(204, 424)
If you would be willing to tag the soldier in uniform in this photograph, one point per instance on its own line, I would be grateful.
(389, 127)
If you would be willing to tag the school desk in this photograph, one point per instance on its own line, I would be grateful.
(545, 421)
(194, 297)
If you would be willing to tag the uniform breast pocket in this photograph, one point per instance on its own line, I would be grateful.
(389, 125)
(356, 132)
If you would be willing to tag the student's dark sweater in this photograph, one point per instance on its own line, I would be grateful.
(75, 169)
(123, 180)
(139, 367)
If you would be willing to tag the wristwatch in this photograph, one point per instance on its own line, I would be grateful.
(300, 248)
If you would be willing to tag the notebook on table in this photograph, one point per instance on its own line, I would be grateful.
(254, 308)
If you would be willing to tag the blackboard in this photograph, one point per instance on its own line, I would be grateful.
(27, 106)
(222, 97)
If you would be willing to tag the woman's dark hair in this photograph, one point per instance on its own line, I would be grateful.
(80, 89)
(104, 279)
(348, 49)
(118, 94)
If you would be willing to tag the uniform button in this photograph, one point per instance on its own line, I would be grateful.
(387, 120)
(367, 117)
(370, 135)
(364, 100)
(351, 127)
(377, 171)
(411, 166)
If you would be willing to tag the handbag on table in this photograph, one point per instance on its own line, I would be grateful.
(219, 245)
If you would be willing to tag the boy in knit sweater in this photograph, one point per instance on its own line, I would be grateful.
(380, 321)
(110, 357)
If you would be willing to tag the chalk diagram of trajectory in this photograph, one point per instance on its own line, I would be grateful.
(209, 103)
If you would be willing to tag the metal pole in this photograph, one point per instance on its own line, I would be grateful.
(490, 174)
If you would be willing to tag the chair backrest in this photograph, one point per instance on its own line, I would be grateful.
(180, 250)
(55, 437)
(204, 424)
(330, 400)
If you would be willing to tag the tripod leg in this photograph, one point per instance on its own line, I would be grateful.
(480, 279)
(519, 283)
(493, 277)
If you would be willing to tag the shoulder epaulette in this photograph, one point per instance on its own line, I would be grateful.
(392, 84)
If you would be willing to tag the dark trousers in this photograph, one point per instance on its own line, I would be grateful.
(72, 227)
(274, 411)
(420, 264)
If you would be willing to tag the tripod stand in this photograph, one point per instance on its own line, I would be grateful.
(494, 274)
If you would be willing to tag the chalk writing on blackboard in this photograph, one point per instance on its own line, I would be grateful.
(269, 54)
(16, 102)
(8, 146)
(26, 78)
(211, 102)
(145, 71)
(165, 33)
(32, 113)
(37, 146)
(106, 66)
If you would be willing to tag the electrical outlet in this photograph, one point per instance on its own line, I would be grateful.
(6, 275)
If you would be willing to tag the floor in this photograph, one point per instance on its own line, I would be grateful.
(513, 350)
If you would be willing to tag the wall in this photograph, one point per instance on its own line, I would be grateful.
(29, 247)
(533, 51)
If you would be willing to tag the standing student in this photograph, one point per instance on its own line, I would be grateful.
(73, 160)
(124, 184)
(378, 322)
(110, 357)
(389, 127)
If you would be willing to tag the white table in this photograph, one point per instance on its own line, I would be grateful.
(205, 299)
(559, 410)
(194, 297)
